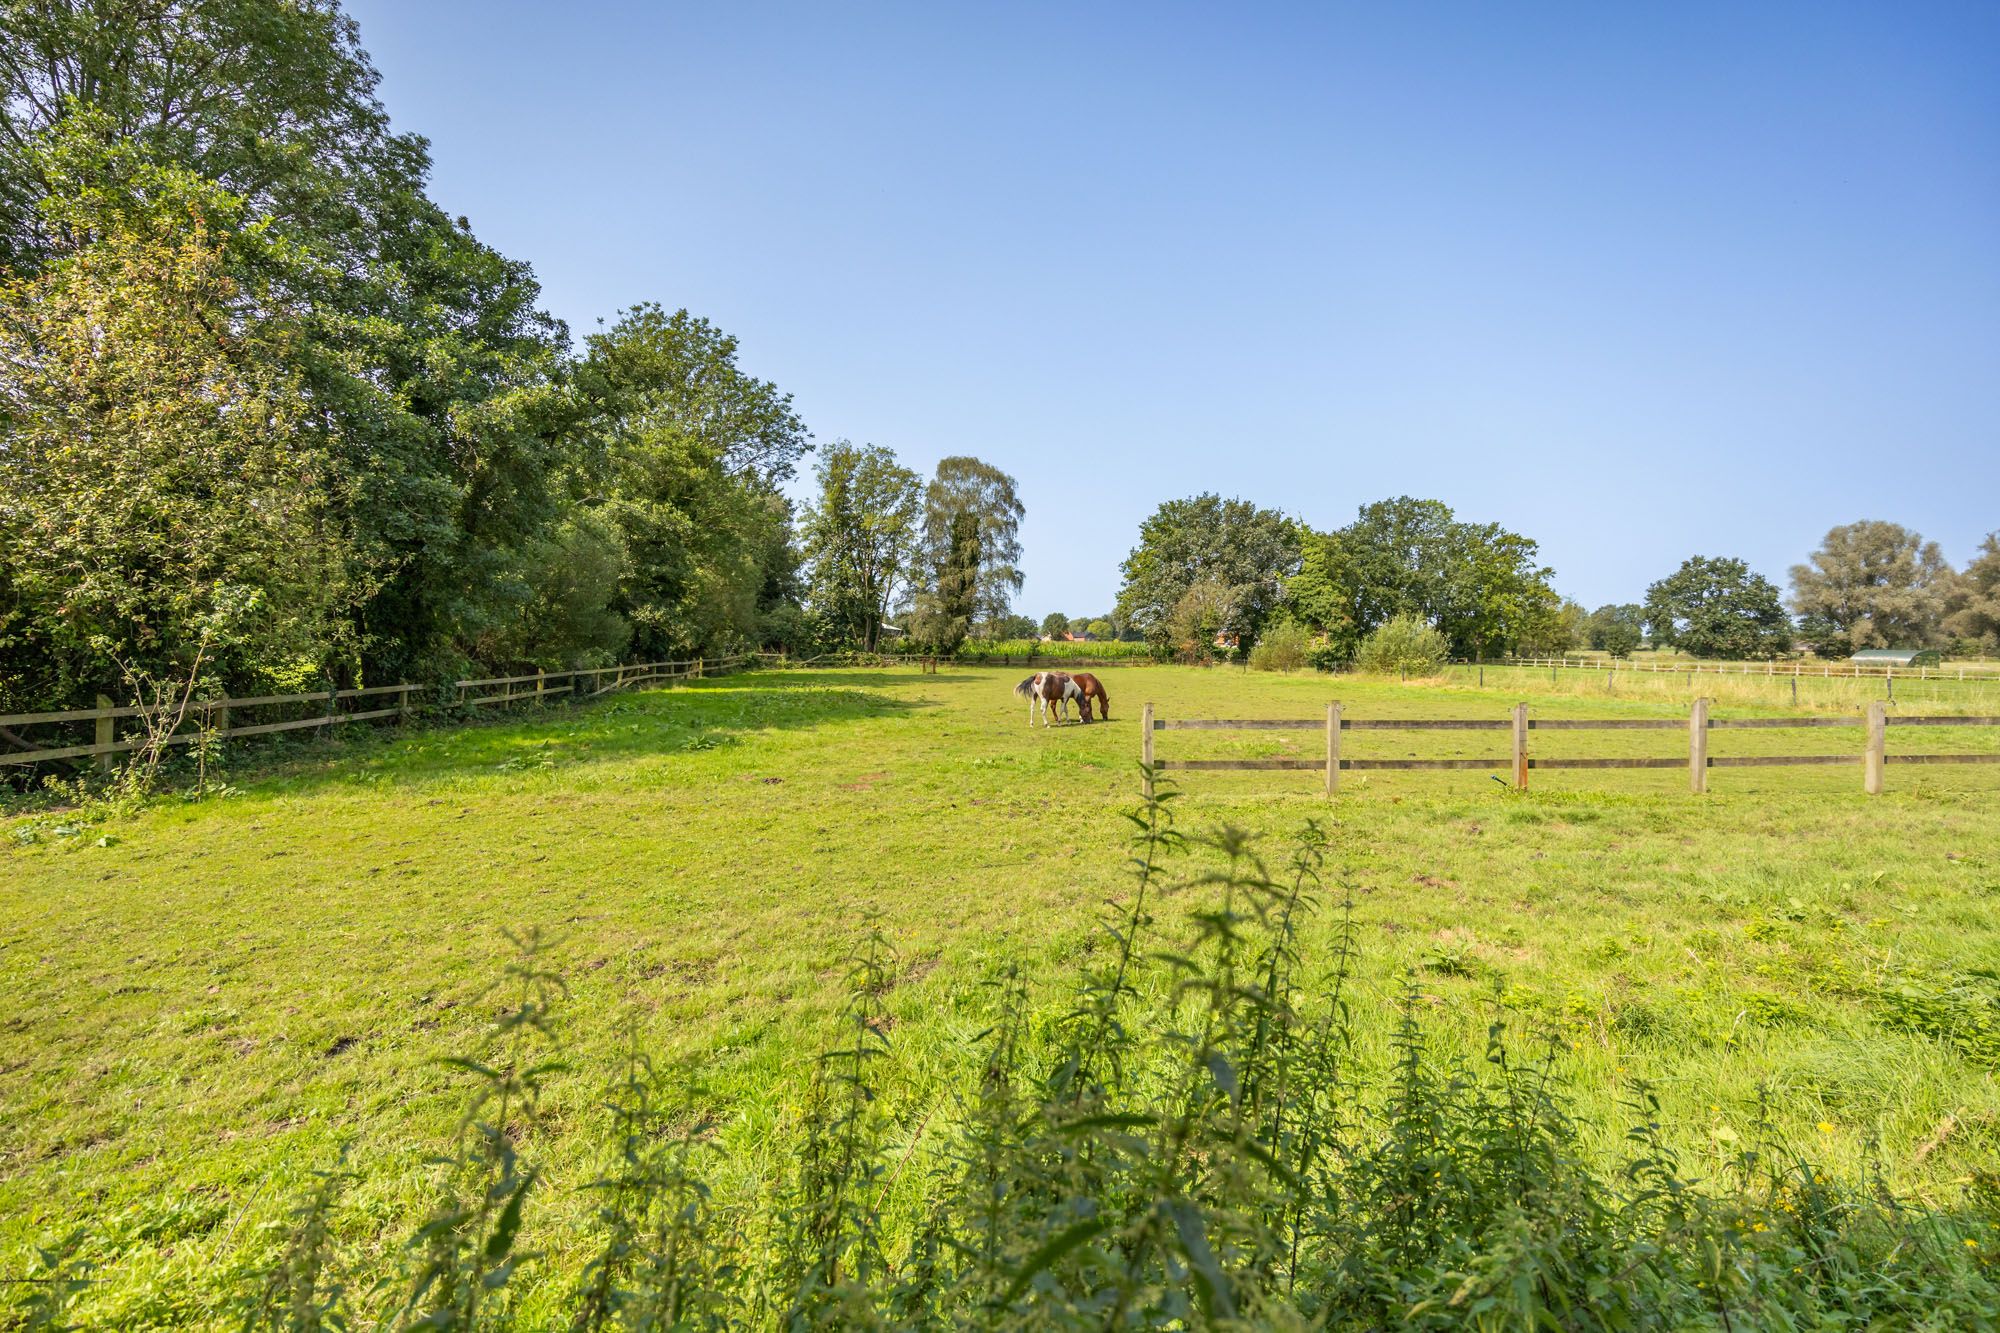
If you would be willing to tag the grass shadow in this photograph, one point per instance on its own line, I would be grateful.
(686, 718)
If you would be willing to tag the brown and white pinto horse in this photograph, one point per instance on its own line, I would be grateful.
(1092, 688)
(1047, 692)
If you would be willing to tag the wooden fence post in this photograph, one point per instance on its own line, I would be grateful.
(541, 683)
(1332, 749)
(1874, 760)
(1520, 747)
(403, 708)
(332, 709)
(1698, 747)
(107, 733)
(1146, 746)
(218, 719)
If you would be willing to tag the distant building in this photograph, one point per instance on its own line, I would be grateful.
(1898, 657)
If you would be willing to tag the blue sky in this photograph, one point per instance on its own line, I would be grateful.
(1638, 281)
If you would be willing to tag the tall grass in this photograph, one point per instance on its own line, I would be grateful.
(1755, 689)
(1178, 1135)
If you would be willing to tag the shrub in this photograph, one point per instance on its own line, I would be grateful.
(1329, 654)
(1282, 648)
(1403, 643)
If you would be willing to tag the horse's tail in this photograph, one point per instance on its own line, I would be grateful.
(1103, 702)
(1026, 689)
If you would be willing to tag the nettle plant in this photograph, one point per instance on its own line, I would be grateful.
(1182, 1138)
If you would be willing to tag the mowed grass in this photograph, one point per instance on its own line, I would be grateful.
(204, 1003)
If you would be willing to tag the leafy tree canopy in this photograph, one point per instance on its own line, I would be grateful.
(1871, 585)
(1973, 604)
(968, 567)
(860, 538)
(1715, 607)
(1479, 584)
(1241, 554)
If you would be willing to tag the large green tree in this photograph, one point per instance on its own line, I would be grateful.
(1973, 604)
(1240, 554)
(1481, 585)
(968, 567)
(1716, 607)
(166, 502)
(1871, 585)
(684, 451)
(859, 538)
(432, 376)
(1616, 629)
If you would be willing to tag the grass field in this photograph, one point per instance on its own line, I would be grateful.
(206, 1002)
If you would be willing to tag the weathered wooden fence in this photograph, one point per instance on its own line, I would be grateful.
(1873, 756)
(209, 720)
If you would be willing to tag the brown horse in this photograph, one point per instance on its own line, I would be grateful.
(1092, 688)
(1046, 692)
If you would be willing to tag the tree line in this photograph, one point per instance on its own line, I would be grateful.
(1211, 575)
(270, 418)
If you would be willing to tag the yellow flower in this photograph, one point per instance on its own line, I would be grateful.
(1826, 1127)
(1971, 1244)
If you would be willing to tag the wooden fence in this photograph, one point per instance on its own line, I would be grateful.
(1977, 671)
(209, 720)
(1873, 756)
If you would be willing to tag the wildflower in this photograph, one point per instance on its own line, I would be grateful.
(1826, 1127)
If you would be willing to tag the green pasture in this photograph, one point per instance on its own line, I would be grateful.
(203, 1003)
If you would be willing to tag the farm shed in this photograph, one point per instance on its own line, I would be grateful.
(1897, 657)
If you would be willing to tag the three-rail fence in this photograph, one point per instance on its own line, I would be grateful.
(1873, 757)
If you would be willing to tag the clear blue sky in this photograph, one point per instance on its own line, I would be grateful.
(1638, 281)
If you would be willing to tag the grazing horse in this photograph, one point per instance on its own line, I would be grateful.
(1046, 692)
(1092, 688)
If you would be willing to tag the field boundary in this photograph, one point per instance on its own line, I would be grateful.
(1873, 757)
(213, 720)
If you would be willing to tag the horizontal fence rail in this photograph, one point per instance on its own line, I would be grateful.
(1872, 757)
(1807, 670)
(208, 720)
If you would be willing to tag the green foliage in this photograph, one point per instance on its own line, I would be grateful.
(1238, 554)
(859, 539)
(692, 451)
(1871, 585)
(968, 567)
(1200, 627)
(1554, 630)
(1405, 644)
(1108, 650)
(163, 498)
(335, 437)
(1616, 629)
(1717, 608)
(1478, 583)
(1973, 603)
(1283, 647)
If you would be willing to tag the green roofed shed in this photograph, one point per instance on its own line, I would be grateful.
(1902, 657)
